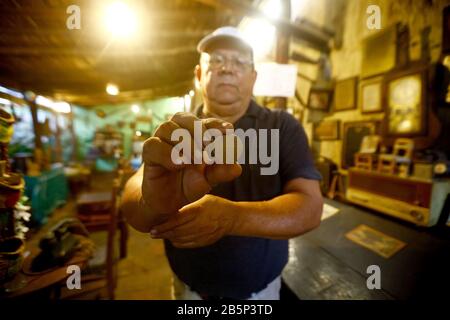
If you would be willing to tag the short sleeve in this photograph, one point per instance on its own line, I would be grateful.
(296, 160)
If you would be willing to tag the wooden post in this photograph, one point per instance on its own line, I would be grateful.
(282, 47)
(58, 144)
(74, 137)
(33, 109)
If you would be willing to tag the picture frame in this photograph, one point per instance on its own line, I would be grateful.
(446, 30)
(405, 100)
(371, 95)
(345, 94)
(379, 51)
(320, 99)
(326, 130)
(352, 137)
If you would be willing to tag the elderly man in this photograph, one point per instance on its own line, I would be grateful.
(226, 226)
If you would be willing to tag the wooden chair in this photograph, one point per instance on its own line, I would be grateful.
(109, 221)
(94, 210)
(367, 158)
(401, 155)
(337, 188)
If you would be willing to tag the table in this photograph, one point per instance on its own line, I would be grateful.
(47, 192)
(94, 202)
(325, 265)
(78, 177)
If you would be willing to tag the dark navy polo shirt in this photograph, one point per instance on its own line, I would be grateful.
(235, 267)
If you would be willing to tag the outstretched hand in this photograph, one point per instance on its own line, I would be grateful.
(168, 186)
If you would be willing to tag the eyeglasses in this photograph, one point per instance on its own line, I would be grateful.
(239, 63)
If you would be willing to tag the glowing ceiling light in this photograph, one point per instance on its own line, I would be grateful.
(260, 33)
(112, 89)
(272, 8)
(135, 108)
(138, 133)
(120, 20)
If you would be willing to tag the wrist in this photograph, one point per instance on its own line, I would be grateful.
(233, 213)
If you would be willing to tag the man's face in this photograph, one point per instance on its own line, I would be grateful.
(227, 77)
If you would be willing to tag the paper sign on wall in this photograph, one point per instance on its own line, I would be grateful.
(275, 80)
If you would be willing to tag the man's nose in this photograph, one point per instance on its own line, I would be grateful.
(227, 67)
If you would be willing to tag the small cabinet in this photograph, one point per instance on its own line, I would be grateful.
(410, 199)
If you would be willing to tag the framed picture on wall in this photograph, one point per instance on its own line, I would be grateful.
(326, 130)
(379, 51)
(353, 135)
(406, 102)
(371, 95)
(345, 94)
(446, 30)
(319, 99)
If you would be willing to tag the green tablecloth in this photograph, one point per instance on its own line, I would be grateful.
(46, 192)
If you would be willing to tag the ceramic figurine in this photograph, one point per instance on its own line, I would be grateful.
(6, 132)
(11, 184)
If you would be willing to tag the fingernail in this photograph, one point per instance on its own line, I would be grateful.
(153, 232)
(207, 136)
(226, 124)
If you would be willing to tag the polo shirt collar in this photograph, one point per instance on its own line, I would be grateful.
(252, 110)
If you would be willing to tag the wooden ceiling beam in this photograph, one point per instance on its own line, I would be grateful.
(92, 85)
(27, 51)
(130, 96)
(155, 15)
(161, 34)
(127, 69)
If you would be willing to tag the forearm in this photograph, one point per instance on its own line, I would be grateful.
(283, 217)
(138, 214)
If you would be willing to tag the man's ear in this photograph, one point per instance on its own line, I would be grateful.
(255, 75)
(198, 72)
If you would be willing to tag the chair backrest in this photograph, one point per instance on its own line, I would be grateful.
(403, 148)
(370, 144)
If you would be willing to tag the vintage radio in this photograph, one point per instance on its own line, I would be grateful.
(416, 200)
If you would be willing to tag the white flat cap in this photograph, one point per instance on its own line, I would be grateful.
(227, 32)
